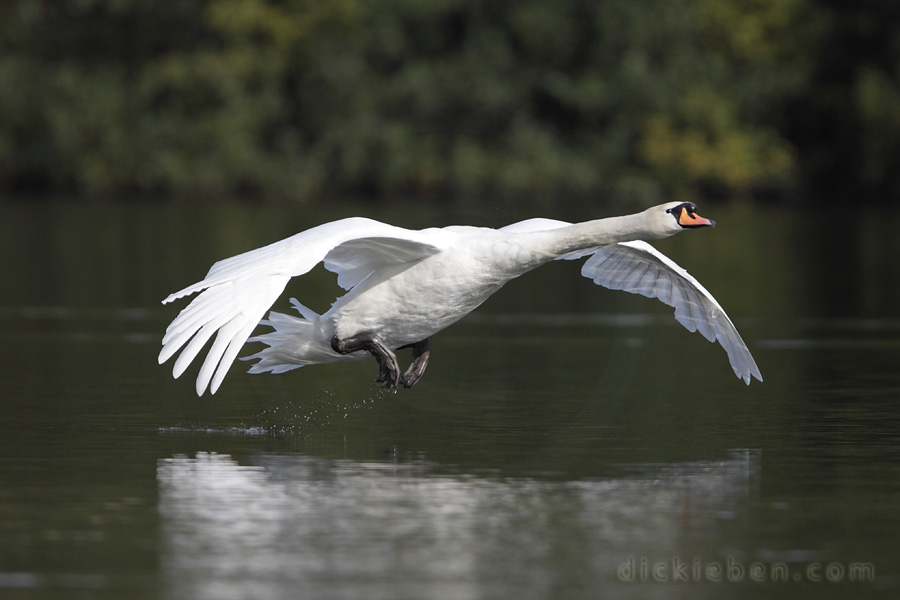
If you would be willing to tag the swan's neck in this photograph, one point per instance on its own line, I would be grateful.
(600, 232)
(527, 251)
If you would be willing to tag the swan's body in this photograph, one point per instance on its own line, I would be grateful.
(405, 286)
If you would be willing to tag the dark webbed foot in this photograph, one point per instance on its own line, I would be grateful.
(389, 375)
(420, 356)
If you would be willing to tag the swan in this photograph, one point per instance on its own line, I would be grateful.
(405, 286)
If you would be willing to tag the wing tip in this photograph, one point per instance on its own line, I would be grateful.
(748, 375)
(191, 289)
(175, 296)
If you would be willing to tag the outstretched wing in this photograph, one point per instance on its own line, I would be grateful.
(638, 268)
(238, 291)
(354, 260)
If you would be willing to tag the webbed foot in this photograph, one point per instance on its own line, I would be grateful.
(389, 374)
(420, 356)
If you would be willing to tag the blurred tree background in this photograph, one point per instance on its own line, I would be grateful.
(452, 100)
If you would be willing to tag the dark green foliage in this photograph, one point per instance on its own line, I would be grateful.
(525, 99)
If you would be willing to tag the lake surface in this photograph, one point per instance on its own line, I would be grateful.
(567, 441)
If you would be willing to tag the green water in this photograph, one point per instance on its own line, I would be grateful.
(566, 441)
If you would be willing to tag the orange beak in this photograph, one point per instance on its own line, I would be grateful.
(687, 219)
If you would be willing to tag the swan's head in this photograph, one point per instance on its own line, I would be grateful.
(673, 217)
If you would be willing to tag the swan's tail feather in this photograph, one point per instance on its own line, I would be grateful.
(292, 343)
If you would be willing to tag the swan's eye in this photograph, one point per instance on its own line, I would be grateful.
(677, 211)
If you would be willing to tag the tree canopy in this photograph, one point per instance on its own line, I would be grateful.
(303, 99)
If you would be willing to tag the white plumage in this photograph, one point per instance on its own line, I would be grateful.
(404, 286)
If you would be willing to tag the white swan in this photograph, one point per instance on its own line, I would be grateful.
(405, 286)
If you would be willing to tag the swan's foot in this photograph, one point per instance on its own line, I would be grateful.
(420, 356)
(389, 374)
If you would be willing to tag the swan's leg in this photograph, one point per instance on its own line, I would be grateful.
(420, 356)
(389, 375)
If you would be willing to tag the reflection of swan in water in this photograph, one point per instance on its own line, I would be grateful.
(319, 528)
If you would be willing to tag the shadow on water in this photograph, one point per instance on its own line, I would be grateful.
(566, 441)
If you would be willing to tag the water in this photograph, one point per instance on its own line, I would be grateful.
(569, 444)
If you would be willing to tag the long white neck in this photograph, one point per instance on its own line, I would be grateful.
(599, 232)
(548, 245)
